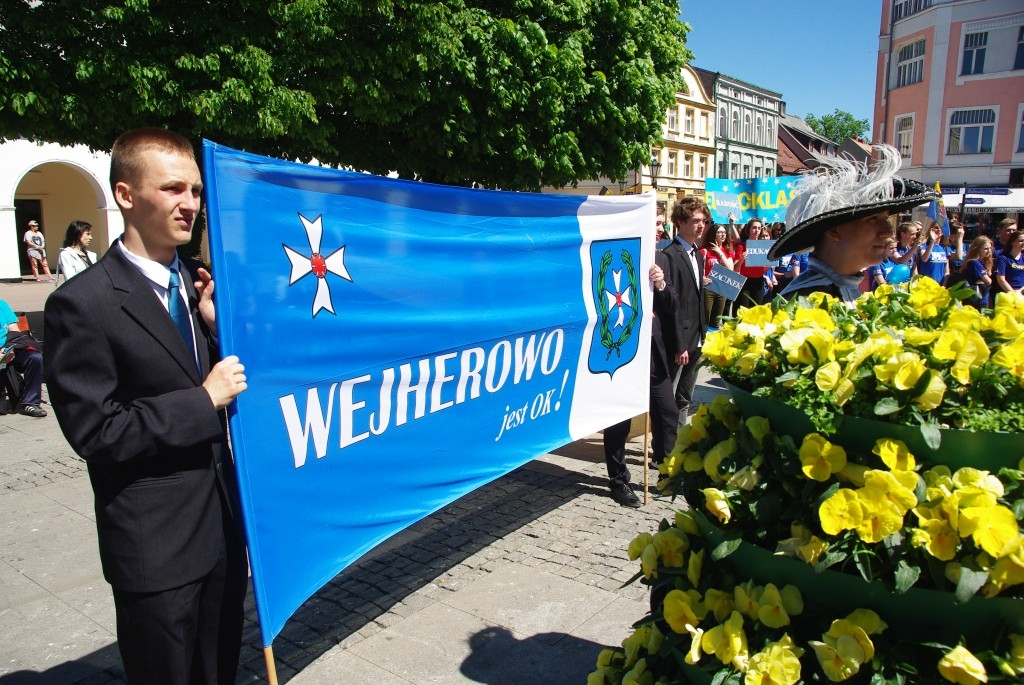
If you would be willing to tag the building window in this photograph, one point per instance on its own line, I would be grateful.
(671, 164)
(770, 141)
(673, 119)
(746, 171)
(974, 53)
(746, 128)
(760, 131)
(910, 64)
(687, 166)
(971, 132)
(722, 169)
(1018, 62)
(722, 129)
(905, 135)
(688, 121)
(735, 125)
(702, 168)
(734, 170)
(905, 8)
(703, 124)
(1020, 134)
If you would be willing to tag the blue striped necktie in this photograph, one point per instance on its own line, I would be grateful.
(179, 313)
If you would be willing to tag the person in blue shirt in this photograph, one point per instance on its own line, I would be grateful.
(20, 350)
(1009, 271)
(934, 256)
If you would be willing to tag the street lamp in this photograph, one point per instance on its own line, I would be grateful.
(622, 186)
(655, 170)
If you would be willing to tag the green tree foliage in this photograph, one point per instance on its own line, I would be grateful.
(505, 93)
(838, 126)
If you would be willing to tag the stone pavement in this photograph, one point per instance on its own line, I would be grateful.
(519, 581)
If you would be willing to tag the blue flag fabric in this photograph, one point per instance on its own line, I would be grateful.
(438, 337)
(766, 198)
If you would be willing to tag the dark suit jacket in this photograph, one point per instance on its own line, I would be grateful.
(129, 400)
(687, 330)
(665, 305)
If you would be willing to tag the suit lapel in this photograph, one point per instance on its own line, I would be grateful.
(141, 304)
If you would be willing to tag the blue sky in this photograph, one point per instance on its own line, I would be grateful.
(820, 54)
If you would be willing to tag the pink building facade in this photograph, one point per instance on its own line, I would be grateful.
(949, 91)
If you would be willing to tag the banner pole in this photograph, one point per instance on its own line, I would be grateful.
(268, 657)
(647, 442)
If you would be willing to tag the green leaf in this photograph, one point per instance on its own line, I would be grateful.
(970, 582)
(932, 435)
(886, 406)
(724, 549)
(906, 576)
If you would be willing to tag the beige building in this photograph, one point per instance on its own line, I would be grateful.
(688, 154)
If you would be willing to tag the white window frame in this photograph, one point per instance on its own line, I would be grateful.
(975, 45)
(671, 165)
(736, 125)
(688, 121)
(702, 166)
(673, 119)
(910, 63)
(687, 165)
(705, 131)
(975, 117)
(903, 138)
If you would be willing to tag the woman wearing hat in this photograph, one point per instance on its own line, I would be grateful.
(842, 212)
(35, 249)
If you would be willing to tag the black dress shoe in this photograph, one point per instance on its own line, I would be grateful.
(33, 410)
(624, 495)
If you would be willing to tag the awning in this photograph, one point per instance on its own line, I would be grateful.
(985, 200)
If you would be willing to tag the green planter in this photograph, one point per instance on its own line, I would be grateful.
(930, 612)
(988, 451)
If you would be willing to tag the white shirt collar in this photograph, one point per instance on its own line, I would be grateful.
(156, 272)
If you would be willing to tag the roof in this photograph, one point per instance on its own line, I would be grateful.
(798, 124)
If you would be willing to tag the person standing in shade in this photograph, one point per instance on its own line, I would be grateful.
(21, 351)
(1009, 269)
(685, 275)
(716, 249)
(35, 249)
(75, 256)
(139, 394)
(843, 211)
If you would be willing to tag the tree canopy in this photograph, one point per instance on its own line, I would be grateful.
(838, 126)
(504, 93)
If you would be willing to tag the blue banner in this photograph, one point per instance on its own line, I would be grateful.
(725, 282)
(438, 337)
(756, 253)
(749, 198)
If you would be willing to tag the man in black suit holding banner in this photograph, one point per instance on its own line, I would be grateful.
(684, 334)
(137, 389)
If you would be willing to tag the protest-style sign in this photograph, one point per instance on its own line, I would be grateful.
(406, 343)
(725, 282)
(749, 198)
(756, 253)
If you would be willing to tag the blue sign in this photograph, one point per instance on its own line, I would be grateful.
(725, 282)
(749, 198)
(438, 336)
(756, 253)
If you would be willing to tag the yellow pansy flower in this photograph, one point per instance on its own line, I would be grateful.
(694, 567)
(909, 373)
(714, 457)
(1006, 572)
(844, 627)
(777, 664)
(671, 544)
(843, 392)
(880, 516)
(887, 370)
(759, 428)
(678, 610)
(853, 473)
(966, 318)
(820, 458)
(813, 318)
(965, 349)
(1011, 304)
(894, 454)
(992, 528)
(792, 343)
(692, 462)
(634, 643)
(1011, 356)
(919, 337)
(928, 297)
(719, 603)
(754, 355)
(968, 477)
(649, 561)
(961, 667)
(868, 620)
(728, 642)
(672, 464)
(1005, 327)
(755, 316)
(725, 411)
(719, 349)
(828, 375)
(637, 545)
(840, 661)
(744, 479)
(822, 300)
(770, 610)
(694, 653)
(933, 393)
(884, 485)
(716, 503)
(635, 675)
(842, 511)
(937, 536)
(1016, 662)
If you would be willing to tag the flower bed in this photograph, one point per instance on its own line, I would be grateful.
(813, 568)
(818, 548)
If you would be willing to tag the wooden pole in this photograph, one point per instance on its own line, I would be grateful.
(647, 444)
(268, 657)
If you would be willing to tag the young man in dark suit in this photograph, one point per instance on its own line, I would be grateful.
(685, 336)
(137, 389)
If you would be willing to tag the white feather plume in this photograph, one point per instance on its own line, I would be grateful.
(842, 183)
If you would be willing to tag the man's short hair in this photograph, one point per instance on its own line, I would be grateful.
(126, 152)
(687, 207)
(1005, 224)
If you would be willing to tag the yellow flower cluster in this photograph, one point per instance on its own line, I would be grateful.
(922, 347)
(847, 645)
(964, 505)
(875, 510)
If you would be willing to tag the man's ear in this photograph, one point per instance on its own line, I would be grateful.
(833, 233)
(123, 195)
